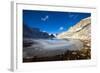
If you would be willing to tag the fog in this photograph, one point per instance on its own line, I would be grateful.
(50, 47)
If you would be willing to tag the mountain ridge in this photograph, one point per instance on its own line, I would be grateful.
(81, 30)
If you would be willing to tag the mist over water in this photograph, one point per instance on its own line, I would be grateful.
(51, 47)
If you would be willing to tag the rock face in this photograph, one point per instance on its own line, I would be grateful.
(82, 30)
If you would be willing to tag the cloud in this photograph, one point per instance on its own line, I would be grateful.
(45, 18)
(43, 31)
(61, 28)
(72, 16)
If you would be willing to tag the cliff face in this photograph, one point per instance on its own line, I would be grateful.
(82, 30)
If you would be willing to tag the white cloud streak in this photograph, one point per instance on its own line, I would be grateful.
(45, 18)
(61, 28)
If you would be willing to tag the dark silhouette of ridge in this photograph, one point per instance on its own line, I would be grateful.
(29, 32)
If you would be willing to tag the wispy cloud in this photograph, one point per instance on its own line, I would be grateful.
(72, 16)
(45, 18)
(61, 28)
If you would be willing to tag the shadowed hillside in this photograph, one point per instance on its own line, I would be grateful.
(35, 33)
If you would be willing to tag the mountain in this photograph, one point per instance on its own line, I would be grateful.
(82, 30)
(29, 32)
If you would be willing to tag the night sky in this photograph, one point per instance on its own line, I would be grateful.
(51, 21)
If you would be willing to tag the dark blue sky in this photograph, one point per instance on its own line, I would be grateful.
(51, 21)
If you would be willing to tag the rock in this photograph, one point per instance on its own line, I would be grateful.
(83, 55)
(74, 53)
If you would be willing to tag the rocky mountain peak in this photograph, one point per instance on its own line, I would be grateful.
(81, 30)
